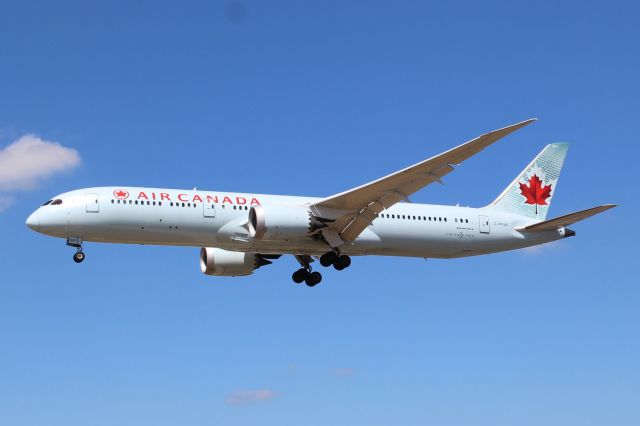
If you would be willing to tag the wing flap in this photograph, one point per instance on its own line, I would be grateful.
(566, 220)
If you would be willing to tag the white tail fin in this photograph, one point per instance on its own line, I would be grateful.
(531, 192)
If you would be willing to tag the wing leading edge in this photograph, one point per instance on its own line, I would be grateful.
(342, 217)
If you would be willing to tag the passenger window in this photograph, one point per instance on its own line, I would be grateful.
(112, 202)
(159, 203)
(182, 204)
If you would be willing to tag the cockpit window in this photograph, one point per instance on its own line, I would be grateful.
(47, 203)
(56, 202)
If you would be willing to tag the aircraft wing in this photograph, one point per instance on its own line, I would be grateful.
(566, 220)
(342, 217)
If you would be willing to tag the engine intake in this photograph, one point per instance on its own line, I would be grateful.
(219, 262)
(273, 222)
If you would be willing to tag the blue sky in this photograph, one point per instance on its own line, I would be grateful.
(313, 98)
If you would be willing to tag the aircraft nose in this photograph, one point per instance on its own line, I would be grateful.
(33, 221)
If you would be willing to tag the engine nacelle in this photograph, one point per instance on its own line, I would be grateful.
(273, 222)
(215, 261)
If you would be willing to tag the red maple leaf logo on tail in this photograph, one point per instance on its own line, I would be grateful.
(535, 192)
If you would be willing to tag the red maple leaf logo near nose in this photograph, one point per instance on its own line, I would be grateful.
(121, 194)
(535, 192)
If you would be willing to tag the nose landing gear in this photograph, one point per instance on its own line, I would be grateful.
(78, 257)
(76, 242)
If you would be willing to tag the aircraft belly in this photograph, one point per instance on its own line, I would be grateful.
(189, 228)
(429, 241)
(139, 227)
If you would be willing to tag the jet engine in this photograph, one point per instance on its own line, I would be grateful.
(215, 261)
(273, 222)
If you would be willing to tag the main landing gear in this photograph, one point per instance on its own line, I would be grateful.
(339, 262)
(312, 278)
(76, 242)
(305, 273)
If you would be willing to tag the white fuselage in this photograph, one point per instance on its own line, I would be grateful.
(215, 219)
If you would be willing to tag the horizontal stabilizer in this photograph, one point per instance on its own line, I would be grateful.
(566, 220)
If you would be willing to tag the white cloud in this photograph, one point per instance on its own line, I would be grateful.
(541, 249)
(344, 372)
(5, 202)
(28, 161)
(244, 397)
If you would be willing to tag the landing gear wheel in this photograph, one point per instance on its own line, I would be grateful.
(313, 279)
(300, 275)
(328, 259)
(342, 262)
(78, 257)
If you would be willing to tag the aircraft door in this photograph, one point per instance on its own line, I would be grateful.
(92, 203)
(484, 224)
(209, 210)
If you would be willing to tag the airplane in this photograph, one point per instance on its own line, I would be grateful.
(239, 233)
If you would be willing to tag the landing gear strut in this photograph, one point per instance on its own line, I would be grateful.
(305, 273)
(339, 262)
(76, 242)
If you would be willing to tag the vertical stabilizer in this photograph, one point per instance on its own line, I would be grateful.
(531, 192)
